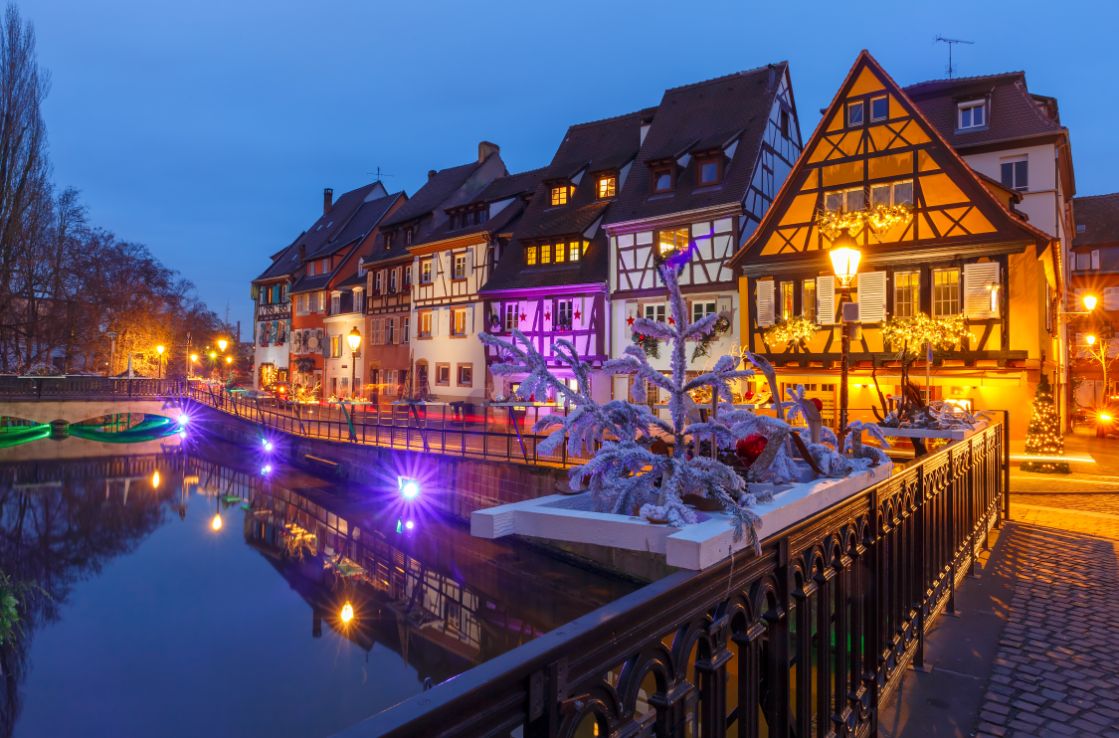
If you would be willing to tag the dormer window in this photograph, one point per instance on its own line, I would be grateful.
(972, 114)
(855, 114)
(560, 194)
(388, 241)
(408, 233)
(709, 170)
(607, 186)
(662, 179)
(879, 108)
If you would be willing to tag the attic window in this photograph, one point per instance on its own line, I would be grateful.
(879, 108)
(560, 195)
(709, 170)
(662, 179)
(855, 114)
(784, 123)
(607, 186)
(972, 114)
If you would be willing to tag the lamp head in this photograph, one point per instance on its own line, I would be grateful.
(354, 339)
(1090, 301)
(1090, 339)
(160, 349)
(222, 344)
(845, 256)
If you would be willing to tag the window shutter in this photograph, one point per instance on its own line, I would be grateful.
(764, 289)
(825, 300)
(872, 297)
(470, 319)
(977, 293)
(1111, 298)
(723, 305)
(1095, 258)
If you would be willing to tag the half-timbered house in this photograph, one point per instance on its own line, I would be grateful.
(452, 263)
(1094, 270)
(936, 238)
(272, 318)
(551, 282)
(392, 271)
(710, 164)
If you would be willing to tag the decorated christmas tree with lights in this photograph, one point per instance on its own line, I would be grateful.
(1043, 437)
(644, 464)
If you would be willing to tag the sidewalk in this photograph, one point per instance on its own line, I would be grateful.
(1032, 652)
(1099, 474)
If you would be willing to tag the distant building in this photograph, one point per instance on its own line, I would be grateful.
(1094, 269)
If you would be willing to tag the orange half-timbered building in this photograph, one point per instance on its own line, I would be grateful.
(950, 244)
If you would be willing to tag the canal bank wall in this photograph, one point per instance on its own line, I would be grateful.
(455, 486)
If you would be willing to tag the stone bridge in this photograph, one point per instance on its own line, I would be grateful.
(76, 411)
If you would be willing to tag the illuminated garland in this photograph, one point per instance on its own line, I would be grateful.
(793, 330)
(879, 219)
(911, 335)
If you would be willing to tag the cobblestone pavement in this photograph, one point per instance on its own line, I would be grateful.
(1095, 503)
(1056, 671)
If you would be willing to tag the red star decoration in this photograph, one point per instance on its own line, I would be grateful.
(547, 315)
(578, 315)
(671, 320)
(629, 320)
(523, 316)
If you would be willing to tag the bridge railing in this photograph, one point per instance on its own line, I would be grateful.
(806, 639)
(87, 388)
(500, 433)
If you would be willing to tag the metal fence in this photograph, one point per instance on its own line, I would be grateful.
(805, 640)
(88, 388)
(493, 432)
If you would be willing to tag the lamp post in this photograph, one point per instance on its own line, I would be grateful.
(193, 364)
(845, 256)
(213, 364)
(112, 349)
(354, 339)
(159, 350)
(228, 366)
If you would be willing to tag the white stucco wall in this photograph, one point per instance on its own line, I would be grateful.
(339, 368)
(1042, 201)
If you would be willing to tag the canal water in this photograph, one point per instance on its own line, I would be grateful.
(177, 590)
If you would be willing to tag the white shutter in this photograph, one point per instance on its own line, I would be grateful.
(872, 297)
(470, 309)
(1095, 259)
(825, 300)
(376, 338)
(978, 278)
(1111, 298)
(723, 304)
(764, 290)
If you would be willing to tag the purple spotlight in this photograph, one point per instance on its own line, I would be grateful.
(183, 419)
(182, 435)
(267, 445)
(409, 525)
(266, 469)
(409, 488)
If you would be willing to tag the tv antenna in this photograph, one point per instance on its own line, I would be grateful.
(379, 174)
(950, 42)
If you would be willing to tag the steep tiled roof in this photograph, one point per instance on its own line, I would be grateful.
(441, 185)
(1097, 221)
(1013, 111)
(519, 186)
(285, 263)
(695, 118)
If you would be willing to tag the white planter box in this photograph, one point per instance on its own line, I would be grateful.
(572, 518)
(954, 434)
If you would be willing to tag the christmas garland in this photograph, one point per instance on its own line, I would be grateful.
(648, 344)
(720, 328)
(879, 219)
(914, 333)
(795, 330)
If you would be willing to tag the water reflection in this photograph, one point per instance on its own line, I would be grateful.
(126, 618)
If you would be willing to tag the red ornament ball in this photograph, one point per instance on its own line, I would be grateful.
(748, 449)
(818, 403)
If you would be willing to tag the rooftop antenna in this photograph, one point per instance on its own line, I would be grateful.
(379, 174)
(950, 42)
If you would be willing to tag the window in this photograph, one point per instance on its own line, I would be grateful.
(335, 304)
(671, 242)
(808, 299)
(972, 114)
(425, 271)
(845, 200)
(404, 330)
(390, 330)
(784, 122)
(545, 253)
(787, 300)
(654, 311)
(662, 179)
(407, 277)
(562, 315)
(560, 252)
(458, 266)
(575, 250)
(946, 291)
(425, 324)
(465, 375)
(393, 278)
(320, 302)
(378, 281)
(336, 346)
(907, 293)
(607, 186)
(1015, 173)
(530, 255)
(388, 241)
(359, 301)
(879, 108)
(302, 304)
(560, 194)
(709, 170)
(443, 375)
(702, 308)
(855, 114)
(408, 233)
(892, 193)
(458, 322)
(510, 319)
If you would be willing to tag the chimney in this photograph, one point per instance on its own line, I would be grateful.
(485, 148)
(327, 200)
(431, 174)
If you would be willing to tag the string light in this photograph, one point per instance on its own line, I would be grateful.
(913, 334)
(879, 219)
(791, 330)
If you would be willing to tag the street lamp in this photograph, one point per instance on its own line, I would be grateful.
(112, 349)
(845, 257)
(354, 339)
(228, 364)
(1090, 301)
(159, 350)
(193, 363)
(1090, 339)
(222, 344)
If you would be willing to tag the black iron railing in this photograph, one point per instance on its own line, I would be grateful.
(481, 431)
(88, 388)
(805, 640)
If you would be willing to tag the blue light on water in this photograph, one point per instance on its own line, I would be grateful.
(266, 469)
(267, 445)
(409, 488)
(411, 524)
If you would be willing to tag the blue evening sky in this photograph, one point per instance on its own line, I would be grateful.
(207, 129)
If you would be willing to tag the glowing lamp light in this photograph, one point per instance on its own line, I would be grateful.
(1090, 339)
(213, 355)
(216, 522)
(183, 419)
(194, 358)
(354, 339)
(156, 479)
(229, 360)
(845, 257)
(1090, 301)
(409, 488)
(1104, 417)
(267, 445)
(347, 613)
(222, 344)
(160, 349)
(182, 435)
(410, 525)
(266, 469)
